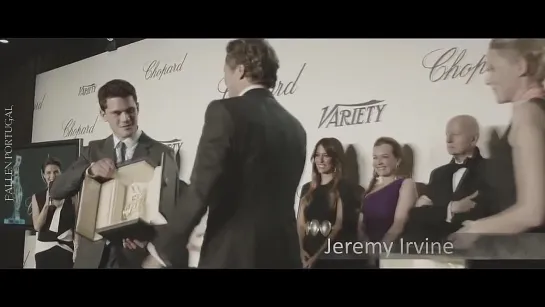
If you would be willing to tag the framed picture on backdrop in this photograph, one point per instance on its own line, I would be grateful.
(27, 176)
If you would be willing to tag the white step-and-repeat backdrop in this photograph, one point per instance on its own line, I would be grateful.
(354, 89)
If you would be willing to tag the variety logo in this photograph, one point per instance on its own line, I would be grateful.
(341, 115)
(444, 64)
(156, 69)
(282, 87)
(85, 90)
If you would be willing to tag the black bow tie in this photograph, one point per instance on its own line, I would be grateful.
(456, 166)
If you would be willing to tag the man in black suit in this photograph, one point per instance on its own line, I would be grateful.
(248, 165)
(456, 191)
(119, 107)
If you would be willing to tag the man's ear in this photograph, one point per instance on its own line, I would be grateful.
(242, 71)
(523, 67)
(475, 139)
(102, 114)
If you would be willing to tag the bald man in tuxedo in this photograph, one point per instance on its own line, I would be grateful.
(457, 191)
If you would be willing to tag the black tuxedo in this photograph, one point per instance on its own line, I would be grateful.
(430, 221)
(69, 183)
(249, 162)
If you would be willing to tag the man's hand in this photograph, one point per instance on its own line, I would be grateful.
(133, 244)
(192, 247)
(423, 201)
(465, 204)
(195, 242)
(103, 168)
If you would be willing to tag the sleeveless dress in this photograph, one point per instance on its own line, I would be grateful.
(501, 175)
(379, 209)
(54, 243)
(319, 212)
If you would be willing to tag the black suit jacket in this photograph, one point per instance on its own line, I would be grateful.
(430, 221)
(249, 162)
(69, 184)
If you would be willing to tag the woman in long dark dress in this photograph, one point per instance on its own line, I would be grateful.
(328, 210)
(54, 222)
(517, 165)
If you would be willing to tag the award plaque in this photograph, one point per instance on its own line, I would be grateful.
(128, 206)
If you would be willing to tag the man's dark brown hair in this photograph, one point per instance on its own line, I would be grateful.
(258, 58)
(116, 88)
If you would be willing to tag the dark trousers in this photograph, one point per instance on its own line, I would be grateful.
(108, 259)
(54, 258)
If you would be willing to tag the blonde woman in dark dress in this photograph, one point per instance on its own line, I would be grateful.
(516, 72)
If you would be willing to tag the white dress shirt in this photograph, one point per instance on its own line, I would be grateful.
(251, 87)
(130, 142)
(456, 178)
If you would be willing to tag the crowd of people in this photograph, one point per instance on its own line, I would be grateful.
(250, 160)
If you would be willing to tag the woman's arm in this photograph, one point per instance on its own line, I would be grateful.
(38, 218)
(301, 223)
(361, 228)
(527, 136)
(407, 199)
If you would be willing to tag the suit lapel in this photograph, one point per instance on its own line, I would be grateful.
(143, 148)
(461, 182)
(447, 186)
(108, 148)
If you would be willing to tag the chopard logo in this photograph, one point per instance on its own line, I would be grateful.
(73, 129)
(87, 89)
(283, 87)
(444, 64)
(156, 70)
(341, 115)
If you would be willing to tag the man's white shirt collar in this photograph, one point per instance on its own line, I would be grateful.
(130, 141)
(251, 87)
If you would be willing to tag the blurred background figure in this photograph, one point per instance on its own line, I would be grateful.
(54, 222)
(516, 71)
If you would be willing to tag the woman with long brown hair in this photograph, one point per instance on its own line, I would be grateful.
(389, 197)
(328, 208)
(516, 72)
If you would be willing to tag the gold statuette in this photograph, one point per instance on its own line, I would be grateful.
(135, 202)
